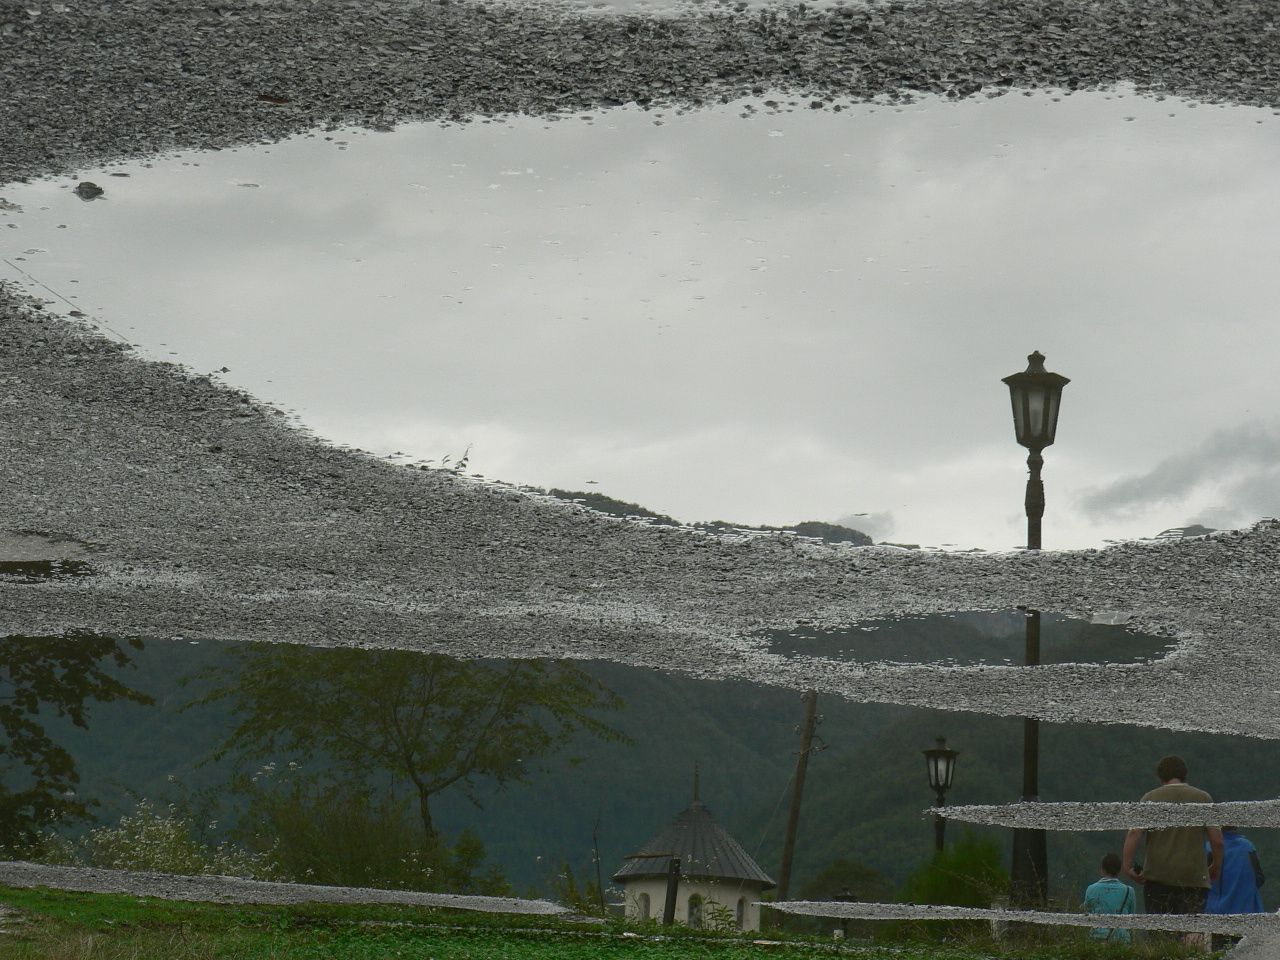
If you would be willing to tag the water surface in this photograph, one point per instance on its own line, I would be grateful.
(757, 312)
(622, 773)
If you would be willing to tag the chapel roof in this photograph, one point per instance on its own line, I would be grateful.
(706, 850)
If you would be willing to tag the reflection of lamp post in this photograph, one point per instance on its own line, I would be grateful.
(1036, 395)
(941, 763)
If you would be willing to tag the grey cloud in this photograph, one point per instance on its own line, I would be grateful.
(1244, 461)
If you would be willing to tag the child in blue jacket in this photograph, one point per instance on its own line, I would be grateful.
(1112, 895)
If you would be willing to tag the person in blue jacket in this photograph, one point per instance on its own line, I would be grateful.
(1236, 889)
(1112, 895)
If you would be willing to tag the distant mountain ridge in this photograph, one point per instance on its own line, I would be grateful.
(817, 529)
(1181, 533)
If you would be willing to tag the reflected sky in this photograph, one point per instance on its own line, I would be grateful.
(797, 314)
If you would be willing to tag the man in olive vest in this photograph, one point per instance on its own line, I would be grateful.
(1176, 876)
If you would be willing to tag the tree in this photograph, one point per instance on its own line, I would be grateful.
(426, 720)
(40, 676)
(341, 835)
(849, 879)
(969, 873)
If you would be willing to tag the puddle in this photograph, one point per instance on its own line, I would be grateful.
(717, 314)
(35, 570)
(25, 546)
(32, 557)
(308, 740)
(966, 639)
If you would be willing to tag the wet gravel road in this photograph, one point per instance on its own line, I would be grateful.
(89, 80)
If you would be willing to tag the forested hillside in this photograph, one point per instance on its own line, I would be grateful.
(866, 786)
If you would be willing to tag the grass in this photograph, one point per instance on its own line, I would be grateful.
(77, 926)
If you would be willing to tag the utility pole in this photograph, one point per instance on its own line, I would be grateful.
(810, 698)
(1030, 874)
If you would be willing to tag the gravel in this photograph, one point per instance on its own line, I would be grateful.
(1261, 928)
(215, 889)
(1116, 816)
(85, 82)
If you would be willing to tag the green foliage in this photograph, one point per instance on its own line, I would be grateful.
(585, 900)
(108, 927)
(969, 873)
(461, 868)
(333, 833)
(718, 918)
(848, 878)
(344, 835)
(425, 720)
(161, 840)
(55, 675)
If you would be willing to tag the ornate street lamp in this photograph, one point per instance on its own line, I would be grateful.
(941, 764)
(1036, 395)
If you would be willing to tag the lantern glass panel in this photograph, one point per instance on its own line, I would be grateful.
(1036, 409)
(1019, 413)
(1051, 422)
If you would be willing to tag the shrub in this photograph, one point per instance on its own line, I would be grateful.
(343, 835)
(156, 839)
(969, 873)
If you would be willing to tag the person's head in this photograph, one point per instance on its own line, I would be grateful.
(1111, 864)
(1171, 768)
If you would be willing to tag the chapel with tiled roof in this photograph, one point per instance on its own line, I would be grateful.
(719, 881)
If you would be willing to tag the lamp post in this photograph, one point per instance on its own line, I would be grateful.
(941, 764)
(1036, 395)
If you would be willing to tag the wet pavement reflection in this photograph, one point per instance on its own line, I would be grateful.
(973, 638)
(758, 313)
(516, 778)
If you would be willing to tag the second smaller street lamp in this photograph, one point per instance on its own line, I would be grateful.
(941, 763)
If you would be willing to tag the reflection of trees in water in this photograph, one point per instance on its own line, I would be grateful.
(381, 724)
(58, 676)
